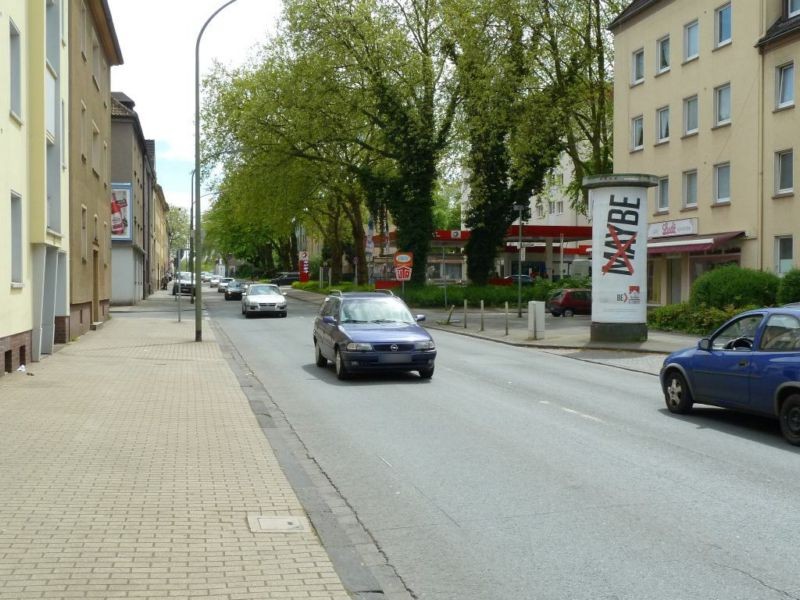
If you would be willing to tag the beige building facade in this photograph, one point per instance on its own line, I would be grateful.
(94, 51)
(34, 216)
(704, 98)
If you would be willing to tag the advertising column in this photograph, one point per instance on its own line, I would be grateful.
(618, 209)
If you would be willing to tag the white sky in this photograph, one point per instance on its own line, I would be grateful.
(157, 38)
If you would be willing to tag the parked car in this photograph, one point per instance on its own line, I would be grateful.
(263, 299)
(183, 282)
(285, 278)
(205, 276)
(214, 281)
(515, 279)
(223, 283)
(751, 364)
(371, 331)
(234, 290)
(569, 302)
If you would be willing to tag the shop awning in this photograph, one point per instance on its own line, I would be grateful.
(690, 243)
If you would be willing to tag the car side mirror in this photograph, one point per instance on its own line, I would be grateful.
(329, 320)
(704, 344)
(420, 318)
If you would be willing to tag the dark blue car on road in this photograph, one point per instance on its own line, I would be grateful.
(750, 364)
(371, 331)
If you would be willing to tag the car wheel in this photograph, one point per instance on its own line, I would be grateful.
(426, 373)
(790, 419)
(555, 313)
(243, 310)
(568, 312)
(341, 370)
(247, 315)
(676, 393)
(320, 360)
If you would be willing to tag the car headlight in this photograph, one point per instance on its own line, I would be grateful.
(358, 347)
(429, 345)
(282, 305)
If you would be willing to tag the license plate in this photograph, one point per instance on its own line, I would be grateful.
(395, 358)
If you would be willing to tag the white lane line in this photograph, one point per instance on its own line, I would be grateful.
(580, 414)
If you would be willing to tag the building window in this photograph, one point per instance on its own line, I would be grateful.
(690, 189)
(784, 172)
(84, 129)
(662, 201)
(691, 41)
(560, 207)
(63, 140)
(551, 207)
(723, 25)
(637, 133)
(794, 7)
(784, 254)
(84, 234)
(722, 183)
(16, 238)
(690, 120)
(785, 86)
(97, 152)
(662, 124)
(722, 104)
(638, 67)
(662, 54)
(15, 57)
(539, 211)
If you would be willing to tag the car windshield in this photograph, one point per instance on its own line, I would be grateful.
(263, 290)
(375, 310)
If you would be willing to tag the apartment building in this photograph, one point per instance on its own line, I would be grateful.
(133, 178)
(95, 49)
(704, 98)
(34, 217)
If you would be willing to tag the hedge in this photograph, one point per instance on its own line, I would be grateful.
(789, 288)
(732, 285)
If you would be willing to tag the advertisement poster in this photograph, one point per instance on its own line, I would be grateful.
(619, 254)
(121, 202)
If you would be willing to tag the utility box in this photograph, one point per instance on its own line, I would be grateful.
(535, 320)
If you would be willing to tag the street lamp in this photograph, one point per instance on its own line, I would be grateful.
(198, 307)
(520, 208)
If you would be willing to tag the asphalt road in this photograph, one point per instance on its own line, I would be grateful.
(516, 473)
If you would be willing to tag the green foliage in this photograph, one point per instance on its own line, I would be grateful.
(789, 288)
(688, 318)
(177, 228)
(733, 286)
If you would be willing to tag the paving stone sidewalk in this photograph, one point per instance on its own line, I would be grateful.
(129, 463)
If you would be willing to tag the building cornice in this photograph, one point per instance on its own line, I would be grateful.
(634, 9)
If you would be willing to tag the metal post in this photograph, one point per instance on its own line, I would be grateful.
(519, 207)
(198, 310)
(465, 314)
(178, 281)
(481, 315)
(190, 266)
(506, 317)
(444, 276)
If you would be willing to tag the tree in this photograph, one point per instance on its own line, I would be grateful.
(177, 229)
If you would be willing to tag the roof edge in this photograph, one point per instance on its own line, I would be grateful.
(634, 9)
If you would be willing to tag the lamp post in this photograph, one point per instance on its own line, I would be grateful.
(520, 208)
(198, 307)
(191, 268)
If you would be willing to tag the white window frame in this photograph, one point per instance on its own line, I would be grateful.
(17, 274)
(637, 61)
(780, 85)
(718, 91)
(687, 29)
(15, 70)
(96, 76)
(559, 207)
(686, 113)
(793, 11)
(718, 40)
(718, 197)
(662, 198)
(783, 265)
(661, 66)
(637, 125)
(687, 176)
(779, 171)
(662, 125)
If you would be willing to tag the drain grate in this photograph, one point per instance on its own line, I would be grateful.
(278, 524)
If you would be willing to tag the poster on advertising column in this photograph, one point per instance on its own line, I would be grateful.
(121, 201)
(619, 252)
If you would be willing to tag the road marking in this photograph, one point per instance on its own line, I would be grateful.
(386, 461)
(580, 414)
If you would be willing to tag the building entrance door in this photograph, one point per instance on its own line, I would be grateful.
(674, 280)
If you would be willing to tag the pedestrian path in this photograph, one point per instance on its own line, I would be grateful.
(132, 466)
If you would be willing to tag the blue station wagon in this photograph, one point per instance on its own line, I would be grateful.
(751, 364)
(371, 331)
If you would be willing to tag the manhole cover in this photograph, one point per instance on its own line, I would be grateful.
(279, 524)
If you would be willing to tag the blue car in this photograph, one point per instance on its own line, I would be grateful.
(371, 331)
(750, 364)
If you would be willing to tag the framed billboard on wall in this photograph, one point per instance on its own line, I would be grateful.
(121, 207)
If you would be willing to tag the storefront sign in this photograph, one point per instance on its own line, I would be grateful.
(672, 228)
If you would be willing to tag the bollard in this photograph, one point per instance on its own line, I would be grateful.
(481, 315)
(465, 314)
(506, 317)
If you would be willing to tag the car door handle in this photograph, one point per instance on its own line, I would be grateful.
(742, 363)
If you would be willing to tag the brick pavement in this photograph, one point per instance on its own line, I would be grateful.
(130, 462)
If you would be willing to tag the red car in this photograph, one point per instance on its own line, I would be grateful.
(568, 302)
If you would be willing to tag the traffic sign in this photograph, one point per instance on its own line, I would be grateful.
(402, 273)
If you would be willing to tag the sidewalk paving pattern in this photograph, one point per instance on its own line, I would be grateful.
(131, 461)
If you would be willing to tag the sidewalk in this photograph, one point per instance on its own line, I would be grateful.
(133, 466)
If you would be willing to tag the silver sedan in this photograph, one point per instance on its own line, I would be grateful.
(263, 298)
